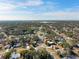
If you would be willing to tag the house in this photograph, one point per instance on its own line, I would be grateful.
(59, 48)
(40, 35)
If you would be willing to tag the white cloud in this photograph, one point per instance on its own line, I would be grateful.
(6, 7)
(61, 15)
(7, 11)
(12, 17)
(31, 3)
(72, 9)
(11, 12)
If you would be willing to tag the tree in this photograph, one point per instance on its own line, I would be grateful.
(43, 54)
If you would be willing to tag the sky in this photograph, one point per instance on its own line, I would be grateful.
(39, 10)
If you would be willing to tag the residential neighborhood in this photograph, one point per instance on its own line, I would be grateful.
(39, 40)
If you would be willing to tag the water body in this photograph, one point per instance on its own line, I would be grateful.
(71, 57)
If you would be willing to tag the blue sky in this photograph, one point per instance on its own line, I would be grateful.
(39, 9)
